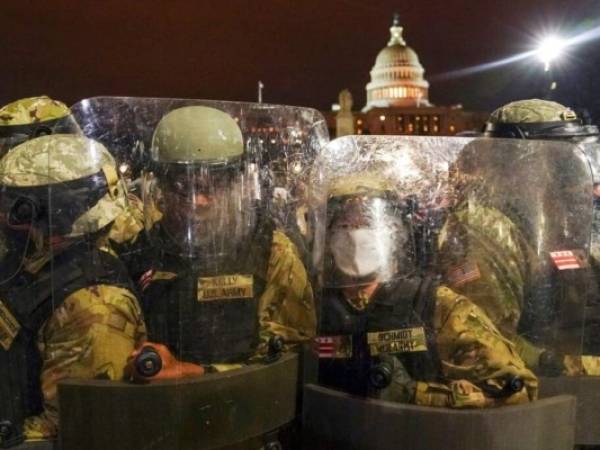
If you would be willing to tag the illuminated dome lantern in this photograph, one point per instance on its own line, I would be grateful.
(397, 77)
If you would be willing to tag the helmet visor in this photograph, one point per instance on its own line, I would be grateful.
(205, 212)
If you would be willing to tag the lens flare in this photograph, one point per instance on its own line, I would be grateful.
(550, 49)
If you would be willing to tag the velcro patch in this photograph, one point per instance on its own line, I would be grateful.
(334, 346)
(569, 259)
(225, 287)
(403, 340)
(463, 274)
(9, 327)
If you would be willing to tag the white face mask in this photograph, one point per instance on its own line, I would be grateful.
(361, 251)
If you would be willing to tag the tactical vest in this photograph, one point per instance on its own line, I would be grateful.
(207, 318)
(399, 321)
(26, 302)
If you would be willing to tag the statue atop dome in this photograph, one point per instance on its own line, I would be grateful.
(396, 32)
(397, 76)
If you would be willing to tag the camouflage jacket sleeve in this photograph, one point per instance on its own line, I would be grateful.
(475, 355)
(484, 257)
(89, 336)
(287, 306)
(128, 225)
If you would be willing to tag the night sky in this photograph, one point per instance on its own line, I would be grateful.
(305, 52)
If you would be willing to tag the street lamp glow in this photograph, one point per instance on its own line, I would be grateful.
(550, 49)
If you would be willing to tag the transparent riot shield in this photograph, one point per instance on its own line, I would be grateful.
(222, 274)
(68, 308)
(519, 239)
(403, 356)
(591, 345)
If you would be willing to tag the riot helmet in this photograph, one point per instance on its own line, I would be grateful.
(537, 119)
(56, 188)
(204, 187)
(369, 232)
(31, 117)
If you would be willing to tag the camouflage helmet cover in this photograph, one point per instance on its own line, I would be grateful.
(532, 111)
(197, 134)
(31, 117)
(62, 158)
(32, 110)
(535, 118)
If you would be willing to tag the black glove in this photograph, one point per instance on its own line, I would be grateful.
(389, 380)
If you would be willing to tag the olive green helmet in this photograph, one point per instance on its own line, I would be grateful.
(537, 119)
(31, 117)
(63, 183)
(207, 193)
(197, 134)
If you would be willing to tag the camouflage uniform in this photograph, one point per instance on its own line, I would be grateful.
(455, 356)
(467, 356)
(217, 310)
(487, 243)
(285, 302)
(71, 303)
(486, 255)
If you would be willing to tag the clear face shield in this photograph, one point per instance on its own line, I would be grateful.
(55, 190)
(367, 241)
(206, 212)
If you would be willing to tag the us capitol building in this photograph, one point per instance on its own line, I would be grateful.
(398, 99)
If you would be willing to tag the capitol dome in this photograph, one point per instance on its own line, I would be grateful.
(397, 77)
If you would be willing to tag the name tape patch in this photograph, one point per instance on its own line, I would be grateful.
(397, 341)
(225, 287)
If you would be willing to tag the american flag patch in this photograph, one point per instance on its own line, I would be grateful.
(334, 346)
(463, 274)
(568, 259)
(145, 279)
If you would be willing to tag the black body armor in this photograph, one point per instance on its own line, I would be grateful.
(399, 305)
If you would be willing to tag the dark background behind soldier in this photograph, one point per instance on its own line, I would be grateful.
(304, 52)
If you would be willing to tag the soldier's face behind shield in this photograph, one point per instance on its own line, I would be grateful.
(204, 211)
(367, 241)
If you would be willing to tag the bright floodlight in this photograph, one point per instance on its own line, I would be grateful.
(550, 49)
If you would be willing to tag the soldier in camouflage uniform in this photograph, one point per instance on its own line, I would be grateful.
(28, 118)
(68, 309)
(488, 255)
(223, 279)
(392, 332)
(35, 116)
